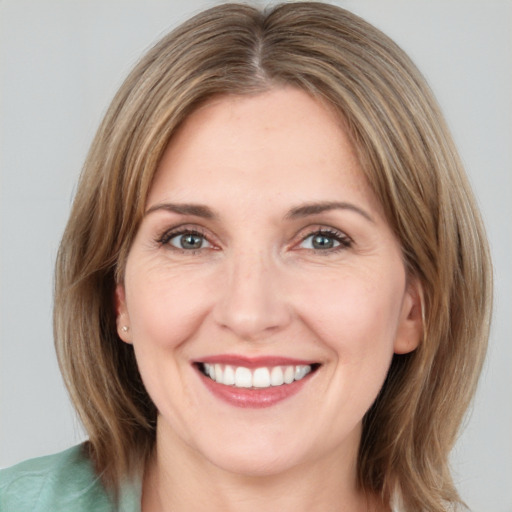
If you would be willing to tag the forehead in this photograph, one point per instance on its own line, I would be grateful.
(280, 142)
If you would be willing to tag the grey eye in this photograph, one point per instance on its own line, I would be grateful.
(320, 241)
(189, 241)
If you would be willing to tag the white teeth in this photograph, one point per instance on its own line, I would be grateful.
(289, 374)
(218, 373)
(210, 370)
(229, 376)
(301, 371)
(276, 376)
(263, 377)
(243, 377)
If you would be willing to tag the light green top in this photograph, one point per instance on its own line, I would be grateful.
(64, 482)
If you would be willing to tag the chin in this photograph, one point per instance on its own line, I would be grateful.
(262, 456)
(254, 465)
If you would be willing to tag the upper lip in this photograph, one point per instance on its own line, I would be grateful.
(253, 362)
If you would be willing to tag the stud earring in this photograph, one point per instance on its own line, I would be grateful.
(125, 328)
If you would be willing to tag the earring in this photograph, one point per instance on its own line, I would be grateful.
(125, 328)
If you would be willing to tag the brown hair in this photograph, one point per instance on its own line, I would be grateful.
(408, 156)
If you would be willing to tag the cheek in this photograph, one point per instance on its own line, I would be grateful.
(357, 316)
(165, 308)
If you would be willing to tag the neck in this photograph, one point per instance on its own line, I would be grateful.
(178, 479)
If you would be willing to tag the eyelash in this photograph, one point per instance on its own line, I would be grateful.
(166, 237)
(343, 240)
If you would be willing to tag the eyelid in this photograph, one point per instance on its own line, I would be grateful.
(174, 241)
(182, 229)
(344, 240)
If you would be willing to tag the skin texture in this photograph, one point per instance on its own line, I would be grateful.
(257, 286)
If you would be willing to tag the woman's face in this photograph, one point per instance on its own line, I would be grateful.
(264, 293)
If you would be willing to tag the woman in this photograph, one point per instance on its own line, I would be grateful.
(274, 288)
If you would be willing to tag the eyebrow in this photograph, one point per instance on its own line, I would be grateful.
(304, 210)
(308, 209)
(198, 210)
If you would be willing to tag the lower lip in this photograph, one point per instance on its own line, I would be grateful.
(253, 397)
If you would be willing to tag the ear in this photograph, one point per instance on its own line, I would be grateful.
(122, 317)
(410, 328)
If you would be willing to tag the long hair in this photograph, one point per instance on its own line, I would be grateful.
(408, 157)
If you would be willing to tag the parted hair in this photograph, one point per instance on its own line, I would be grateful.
(409, 159)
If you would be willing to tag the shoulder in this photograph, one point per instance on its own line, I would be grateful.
(64, 481)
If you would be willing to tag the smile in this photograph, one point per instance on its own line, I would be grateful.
(254, 382)
(263, 377)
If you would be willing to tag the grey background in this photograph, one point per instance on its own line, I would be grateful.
(60, 64)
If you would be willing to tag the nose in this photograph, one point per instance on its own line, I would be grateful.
(253, 303)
